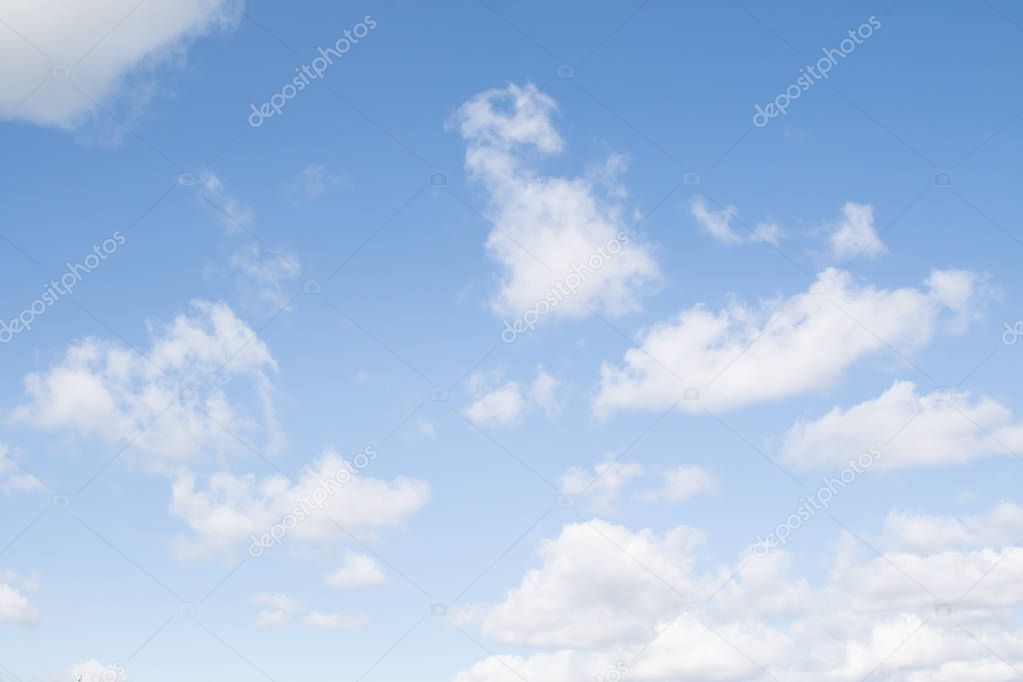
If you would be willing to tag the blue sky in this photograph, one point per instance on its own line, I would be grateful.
(631, 485)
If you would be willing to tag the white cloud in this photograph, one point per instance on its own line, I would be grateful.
(15, 607)
(231, 212)
(604, 485)
(313, 182)
(506, 403)
(14, 478)
(718, 224)
(173, 405)
(854, 233)
(358, 570)
(686, 481)
(911, 430)
(589, 592)
(279, 611)
(105, 43)
(265, 272)
(282, 609)
(606, 598)
(1000, 526)
(743, 354)
(230, 509)
(543, 222)
(335, 621)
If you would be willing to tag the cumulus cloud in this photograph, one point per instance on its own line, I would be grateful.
(743, 353)
(854, 234)
(718, 224)
(546, 227)
(603, 484)
(911, 430)
(931, 533)
(358, 570)
(15, 607)
(605, 598)
(506, 403)
(203, 383)
(228, 510)
(105, 44)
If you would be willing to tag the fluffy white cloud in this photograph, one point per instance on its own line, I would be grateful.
(606, 598)
(743, 354)
(929, 533)
(358, 570)
(854, 233)
(506, 403)
(686, 481)
(104, 44)
(603, 485)
(546, 227)
(14, 606)
(231, 509)
(718, 224)
(14, 478)
(588, 591)
(172, 405)
(911, 430)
